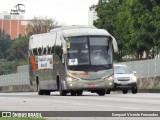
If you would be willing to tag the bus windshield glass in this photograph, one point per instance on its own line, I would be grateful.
(85, 53)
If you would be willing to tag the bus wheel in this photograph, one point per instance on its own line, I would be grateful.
(73, 93)
(62, 93)
(40, 92)
(101, 92)
(79, 93)
(108, 91)
(47, 92)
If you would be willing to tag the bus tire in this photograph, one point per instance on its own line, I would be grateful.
(40, 92)
(101, 92)
(80, 92)
(47, 92)
(108, 91)
(63, 93)
(73, 93)
(37, 83)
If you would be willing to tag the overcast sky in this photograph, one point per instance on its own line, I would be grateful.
(68, 12)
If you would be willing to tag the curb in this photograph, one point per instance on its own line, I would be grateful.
(148, 90)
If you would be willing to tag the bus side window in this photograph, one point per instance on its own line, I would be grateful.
(39, 51)
(49, 50)
(52, 50)
(35, 51)
(44, 51)
(58, 48)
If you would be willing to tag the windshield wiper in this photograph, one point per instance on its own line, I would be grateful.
(119, 73)
(99, 66)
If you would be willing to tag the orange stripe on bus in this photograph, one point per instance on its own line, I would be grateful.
(33, 63)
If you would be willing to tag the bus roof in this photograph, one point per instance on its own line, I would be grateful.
(71, 27)
(48, 39)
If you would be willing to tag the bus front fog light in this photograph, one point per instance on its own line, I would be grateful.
(110, 83)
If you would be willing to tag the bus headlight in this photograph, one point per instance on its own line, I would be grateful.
(110, 78)
(71, 79)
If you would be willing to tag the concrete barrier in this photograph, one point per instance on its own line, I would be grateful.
(16, 88)
(149, 83)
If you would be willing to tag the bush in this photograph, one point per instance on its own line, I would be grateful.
(8, 67)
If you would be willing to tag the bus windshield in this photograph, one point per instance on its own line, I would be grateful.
(87, 53)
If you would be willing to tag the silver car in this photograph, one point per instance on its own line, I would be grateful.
(124, 79)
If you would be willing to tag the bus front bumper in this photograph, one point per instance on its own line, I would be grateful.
(90, 85)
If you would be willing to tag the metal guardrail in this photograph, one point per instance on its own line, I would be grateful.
(14, 79)
(145, 68)
(19, 78)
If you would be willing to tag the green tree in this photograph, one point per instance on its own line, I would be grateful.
(144, 16)
(8, 67)
(5, 43)
(107, 14)
(134, 23)
(19, 49)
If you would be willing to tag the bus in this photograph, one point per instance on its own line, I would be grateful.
(72, 60)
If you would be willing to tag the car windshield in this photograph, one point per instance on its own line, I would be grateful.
(90, 52)
(121, 70)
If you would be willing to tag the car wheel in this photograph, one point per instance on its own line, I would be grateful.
(134, 91)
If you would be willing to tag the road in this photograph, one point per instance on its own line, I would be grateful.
(30, 101)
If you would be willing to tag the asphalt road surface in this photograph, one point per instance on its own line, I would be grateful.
(30, 101)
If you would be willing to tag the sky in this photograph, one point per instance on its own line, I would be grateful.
(66, 12)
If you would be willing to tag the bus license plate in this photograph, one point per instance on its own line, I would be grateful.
(91, 85)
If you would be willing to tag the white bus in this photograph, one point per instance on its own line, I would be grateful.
(71, 60)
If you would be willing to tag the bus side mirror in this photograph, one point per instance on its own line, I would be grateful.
(64, 49)
(64, 45)
(62, 58)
